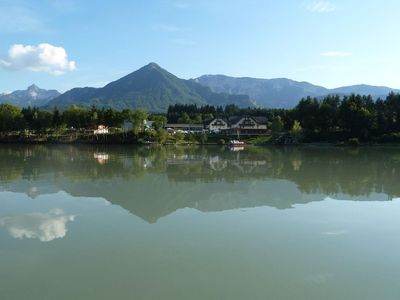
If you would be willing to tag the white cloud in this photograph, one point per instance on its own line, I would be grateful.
(336, 54)
(45, 227)
(41, 58)
(321, 7)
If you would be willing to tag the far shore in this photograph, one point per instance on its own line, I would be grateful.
(124, 139)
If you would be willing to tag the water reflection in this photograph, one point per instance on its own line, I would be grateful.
(152, 182)
(45, 227)
(101, 157)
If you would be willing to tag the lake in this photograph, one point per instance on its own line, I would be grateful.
(90, 222)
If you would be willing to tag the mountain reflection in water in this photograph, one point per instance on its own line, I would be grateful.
(152, 182)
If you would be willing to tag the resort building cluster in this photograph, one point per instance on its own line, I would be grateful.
(234, 125)
(243, 125)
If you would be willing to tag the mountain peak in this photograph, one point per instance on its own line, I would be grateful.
(33, 91)
(151, 69)
(152, 65)
(32, 96)
(33, 87)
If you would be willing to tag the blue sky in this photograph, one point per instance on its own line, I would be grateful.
(63, 44)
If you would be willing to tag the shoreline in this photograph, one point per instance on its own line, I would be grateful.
(112, 140)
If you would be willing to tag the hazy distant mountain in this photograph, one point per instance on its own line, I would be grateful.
(376, 91)
(266, 92)
(32, 96)
(281, 92)
(151, 88)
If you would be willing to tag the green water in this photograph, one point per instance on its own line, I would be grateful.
(199, 223)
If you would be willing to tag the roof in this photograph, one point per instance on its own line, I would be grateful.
(183, 125)
(208, 121)
(258, 119)
(261, 120)
(235, 119)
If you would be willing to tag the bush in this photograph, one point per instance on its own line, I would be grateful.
(202, 138)
(221, 142)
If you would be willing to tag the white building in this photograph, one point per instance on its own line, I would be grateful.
(101, 129)
(249, 123)
(216, 125)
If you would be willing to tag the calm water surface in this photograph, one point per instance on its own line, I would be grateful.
(199, 223)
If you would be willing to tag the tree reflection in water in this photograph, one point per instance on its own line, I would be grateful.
(152, 182)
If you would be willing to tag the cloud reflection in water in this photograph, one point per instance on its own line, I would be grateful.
(45, 227)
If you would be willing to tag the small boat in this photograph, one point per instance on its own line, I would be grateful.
(236, 143)
(236, 148)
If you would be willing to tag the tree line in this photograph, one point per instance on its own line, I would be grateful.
(354, 116)
(332, 118)
(13, 118)
(194, 114)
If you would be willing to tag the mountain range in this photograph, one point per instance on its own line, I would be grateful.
(154, 89)
(283, 92)
(32, 96)
(151, 88)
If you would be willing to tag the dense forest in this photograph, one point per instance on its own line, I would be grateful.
(14, 119)
(332, 119)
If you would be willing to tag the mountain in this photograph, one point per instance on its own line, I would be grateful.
(151, 88)
(154, 89)
(281, 92)
(363, 89)
(32, 96)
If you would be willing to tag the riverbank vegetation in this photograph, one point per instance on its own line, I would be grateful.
(350, 119)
